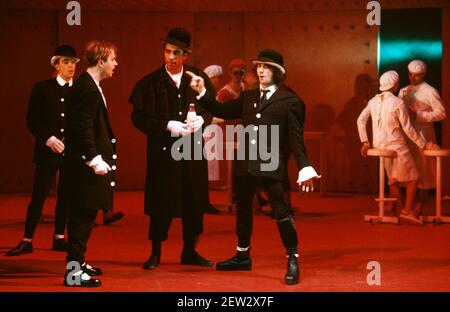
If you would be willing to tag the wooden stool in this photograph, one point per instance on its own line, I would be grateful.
(382, 154)
(438, 218)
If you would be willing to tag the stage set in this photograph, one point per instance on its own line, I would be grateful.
(332, 55)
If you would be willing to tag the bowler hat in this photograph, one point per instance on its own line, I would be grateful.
(179, 37)
(271, 57)
(64, 51)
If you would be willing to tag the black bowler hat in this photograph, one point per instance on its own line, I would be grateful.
(271, 57)
(179, 37)
(64, 51)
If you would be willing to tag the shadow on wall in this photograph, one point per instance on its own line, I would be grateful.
(356, 173)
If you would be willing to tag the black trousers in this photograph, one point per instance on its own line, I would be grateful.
(245, 190)
(79, 228)
(44, 177)
(160, 225)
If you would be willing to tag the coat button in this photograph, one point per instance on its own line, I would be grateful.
(254, 105)
(199, 142)
(258, 115)
(114, 156)
(62, 130)
(164, 148)
(113, 183)
(62, 114)
(253, 141)
(113, 167)
(83, 157)
(180, 113)
(62, 99)
(255, 128)
(179, 96)
(113, 141)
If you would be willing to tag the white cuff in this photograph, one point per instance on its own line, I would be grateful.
(50, 141)
(201, 94)
(306, 173)
(94, 161)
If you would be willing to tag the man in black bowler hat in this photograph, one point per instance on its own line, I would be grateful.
(46, 121)
(272, 104)
(173, 188)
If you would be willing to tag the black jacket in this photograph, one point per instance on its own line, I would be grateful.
(46, 118)
(156, 100)
(284, 109)
(89, 133)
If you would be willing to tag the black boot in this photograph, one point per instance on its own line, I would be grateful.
(152, 262)
(240, 262)
(293, 271)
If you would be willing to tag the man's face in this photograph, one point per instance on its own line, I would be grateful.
(109, 66)
(174, 58)
(265, 74)
(416, 79)
(237, 74)
(66, 68)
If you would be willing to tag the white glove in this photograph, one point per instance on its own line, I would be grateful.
(177, 128)
(55, 144)
(306, 178)
(196, 123)
(99, 166)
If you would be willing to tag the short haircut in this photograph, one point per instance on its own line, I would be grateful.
(98, 50)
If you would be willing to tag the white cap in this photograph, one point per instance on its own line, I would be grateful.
(388, 80)
(417, 67)
(213, 70)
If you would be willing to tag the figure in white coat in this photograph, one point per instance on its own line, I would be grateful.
(425, 107)
(390, 126)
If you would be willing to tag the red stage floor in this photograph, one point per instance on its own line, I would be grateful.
(335, 243)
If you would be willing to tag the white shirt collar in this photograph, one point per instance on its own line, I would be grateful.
(62, 82)
(271, 89)
(177, 77)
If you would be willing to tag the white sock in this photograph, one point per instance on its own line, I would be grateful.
(59, 236)
(27, 239)
(243, 249)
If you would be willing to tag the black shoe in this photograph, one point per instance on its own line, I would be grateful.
(111, 217)
(152, 262)
(21, 249)
(91, 271)
(212, 210)
(193, 258)
(59, 244)
(293, 271)
(240, 262)
(84, 281)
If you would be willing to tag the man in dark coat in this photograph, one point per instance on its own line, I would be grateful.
(45, 120)
(90, 160)
(173, 188)
(274, 117)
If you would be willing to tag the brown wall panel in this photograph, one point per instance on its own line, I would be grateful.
(28, 40)
(330, 56)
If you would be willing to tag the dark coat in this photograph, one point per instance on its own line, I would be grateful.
(284, 109)
(45, 118)
(88, 134)
(156, 100)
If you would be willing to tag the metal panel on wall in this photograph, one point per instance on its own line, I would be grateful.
(331, 63)
(138, 38)
(28, 42)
